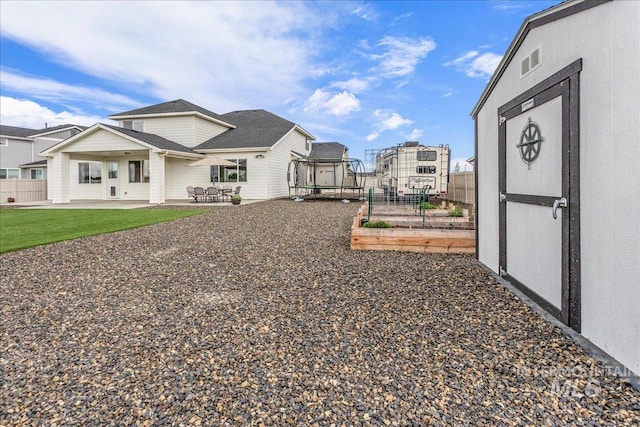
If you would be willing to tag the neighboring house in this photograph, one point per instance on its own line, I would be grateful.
(19, 148)
(144, 158)
(557, 156)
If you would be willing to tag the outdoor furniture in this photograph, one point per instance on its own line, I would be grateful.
(237, 190)
(227, 190)
(212, 194)
(191, 193)
(199, 194)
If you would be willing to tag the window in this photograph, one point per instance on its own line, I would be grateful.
(132, 124)
(428, 156)
(89, 172)
(37, 173)
(236, 173)
(306, 144)
(4, 142)
(426, 169)
(9, 173)
(138, 171)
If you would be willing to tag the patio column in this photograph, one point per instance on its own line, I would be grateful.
(60, 178)
(156, 177)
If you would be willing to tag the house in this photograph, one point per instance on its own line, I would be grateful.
(144, 157)
(557, 156)
(19, 148)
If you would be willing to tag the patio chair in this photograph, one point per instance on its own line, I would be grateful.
(199, 194)
(212, 194)
(227, 190)
(191, 193)
(237, 190)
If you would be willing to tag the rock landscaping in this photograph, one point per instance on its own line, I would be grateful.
(262, 315)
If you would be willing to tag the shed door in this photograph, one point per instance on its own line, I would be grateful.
(539, 194)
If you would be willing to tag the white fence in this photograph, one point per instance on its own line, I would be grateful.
(462, 187)
(23, 190)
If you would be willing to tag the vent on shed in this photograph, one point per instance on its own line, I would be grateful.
(530, 62)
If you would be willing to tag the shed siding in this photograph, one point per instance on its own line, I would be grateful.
(278, 162)
(609, 156)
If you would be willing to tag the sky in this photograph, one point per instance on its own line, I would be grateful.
(367, 74)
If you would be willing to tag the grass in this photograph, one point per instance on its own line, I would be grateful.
(26, 228)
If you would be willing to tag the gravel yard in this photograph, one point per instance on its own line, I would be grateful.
(262, 315)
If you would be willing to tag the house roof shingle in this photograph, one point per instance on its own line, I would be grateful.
(175, 106)
(17, 132)
(152, 139)
(327, 150)
(56, 128)
(255, 128)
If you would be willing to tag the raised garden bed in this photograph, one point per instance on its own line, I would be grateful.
(437, 233)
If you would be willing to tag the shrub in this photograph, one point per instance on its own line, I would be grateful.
(456, 212)
(376, 224)
(425, 206)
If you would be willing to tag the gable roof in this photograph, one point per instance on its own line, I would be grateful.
(552, 14)
(152, 139)
(171, 107)
(15, 131)
(148, 139)
(254, 129)
(327, 150)
(54, 129)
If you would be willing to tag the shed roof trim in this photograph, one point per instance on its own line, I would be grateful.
(546, 16)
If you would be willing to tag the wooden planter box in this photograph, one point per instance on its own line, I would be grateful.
(431, 240)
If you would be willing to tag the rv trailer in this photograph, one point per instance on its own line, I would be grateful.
(413, 169)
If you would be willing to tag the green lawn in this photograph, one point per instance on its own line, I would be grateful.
(25, 228)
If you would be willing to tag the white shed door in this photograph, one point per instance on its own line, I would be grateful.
(539, 236)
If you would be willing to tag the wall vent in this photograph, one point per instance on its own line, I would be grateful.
(530, 62)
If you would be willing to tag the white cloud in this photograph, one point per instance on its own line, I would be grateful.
(354, 85)
(474, 64)
(199, 54)
(337, 104)
(52, 91)
(401, 17)
(415, 135)
(366, 12)
(29, 114)
(402, 55)
(387, 121)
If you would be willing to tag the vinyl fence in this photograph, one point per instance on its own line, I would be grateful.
(23, 190)
(462, 187)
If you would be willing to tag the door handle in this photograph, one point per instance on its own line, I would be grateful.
(558, 203)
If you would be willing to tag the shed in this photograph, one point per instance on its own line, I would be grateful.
(558, 169)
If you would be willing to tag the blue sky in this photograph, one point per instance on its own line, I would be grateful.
(369, 75)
